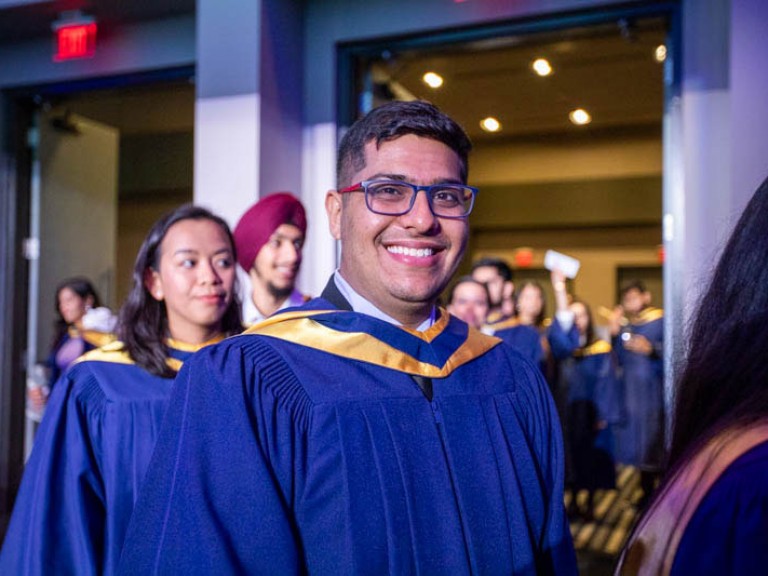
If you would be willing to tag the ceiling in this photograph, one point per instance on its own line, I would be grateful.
(609, 70)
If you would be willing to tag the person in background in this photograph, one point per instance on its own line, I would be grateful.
(368, 431)
(468, 300)
(530, 305)
(269, 238)
(81, 325)
(496, 274)
(637, 334)
(530, 308)
(588, 395)
(524, 339)
(95, 442)
(710, 513)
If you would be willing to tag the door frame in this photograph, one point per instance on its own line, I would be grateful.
(18, 108)
(348, 54)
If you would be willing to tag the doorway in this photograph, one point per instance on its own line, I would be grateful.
(106, 164)
(569, 120)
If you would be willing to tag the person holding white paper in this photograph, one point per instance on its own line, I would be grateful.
(587, 395)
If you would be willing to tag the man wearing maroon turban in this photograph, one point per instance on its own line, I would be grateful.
(269, 238)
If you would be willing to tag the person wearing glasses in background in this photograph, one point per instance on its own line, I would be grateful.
(368, 431)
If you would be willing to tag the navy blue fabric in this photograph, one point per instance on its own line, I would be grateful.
(278, 458)
(525, 339)
(82, 479)
(592, 406)
(728, 533)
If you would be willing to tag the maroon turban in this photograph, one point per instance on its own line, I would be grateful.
(260, 222)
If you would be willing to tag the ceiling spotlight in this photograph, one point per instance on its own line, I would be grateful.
(432, 80)
(580, 117)
(542, 67)
(660, 53)
(490, 124)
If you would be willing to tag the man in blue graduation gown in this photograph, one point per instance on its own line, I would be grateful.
(639, 343)
(367, 431)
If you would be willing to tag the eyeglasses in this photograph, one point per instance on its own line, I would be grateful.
(395, 198)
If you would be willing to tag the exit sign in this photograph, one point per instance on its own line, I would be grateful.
(74, 40)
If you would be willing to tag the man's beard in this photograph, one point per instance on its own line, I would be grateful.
(277, 292)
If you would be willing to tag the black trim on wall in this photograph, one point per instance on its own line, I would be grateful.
(15, 163)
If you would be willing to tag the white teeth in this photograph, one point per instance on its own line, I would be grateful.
(415, 252)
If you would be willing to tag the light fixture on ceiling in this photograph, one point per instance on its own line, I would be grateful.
(490, 124)
(432, 79)
(542, 67)
(660, 53)
(580, 117)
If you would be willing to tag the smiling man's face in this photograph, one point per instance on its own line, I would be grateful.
(399, 263)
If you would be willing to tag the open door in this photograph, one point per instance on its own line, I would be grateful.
(74, 219)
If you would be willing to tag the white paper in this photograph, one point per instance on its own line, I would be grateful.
(566, 264)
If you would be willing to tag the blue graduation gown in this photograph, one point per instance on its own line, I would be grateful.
(89, 340)
(728, 533)
(591, 393)
(640, 438)
(523, 338)
(305, 445)
(90, 456)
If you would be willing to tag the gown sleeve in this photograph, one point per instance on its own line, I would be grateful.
(219, 489)
(562, 343)
(58, 519)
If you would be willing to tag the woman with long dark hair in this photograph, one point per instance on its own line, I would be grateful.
(95, 442)
(588, 396)
(710, 514)
(76, 299)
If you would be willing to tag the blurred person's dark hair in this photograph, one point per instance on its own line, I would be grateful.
(467, 279)
(630, 285)
(539, 320)
(81, 286)
(504, 270)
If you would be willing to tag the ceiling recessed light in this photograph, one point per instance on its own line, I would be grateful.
(542, 67)
(432, 79)
(660, 53)
(580, 117)
(490, 124)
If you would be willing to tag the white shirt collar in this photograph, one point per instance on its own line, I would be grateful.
(252, 315)
(360, 304)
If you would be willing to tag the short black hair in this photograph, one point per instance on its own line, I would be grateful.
(636, 284)
(500, 264)
(393, 120)
(467, 279)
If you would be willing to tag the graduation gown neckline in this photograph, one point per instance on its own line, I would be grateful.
(434, 353)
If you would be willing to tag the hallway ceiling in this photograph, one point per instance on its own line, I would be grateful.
(609, 70)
